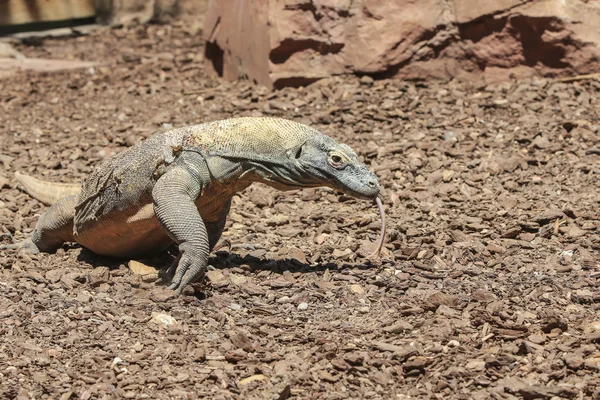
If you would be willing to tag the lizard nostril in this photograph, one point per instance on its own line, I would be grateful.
(372, 183)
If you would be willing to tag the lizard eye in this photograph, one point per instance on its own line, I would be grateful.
(336, 160)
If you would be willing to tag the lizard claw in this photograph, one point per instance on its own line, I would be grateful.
(189, 270)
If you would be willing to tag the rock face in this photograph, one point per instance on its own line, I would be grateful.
(293, 42)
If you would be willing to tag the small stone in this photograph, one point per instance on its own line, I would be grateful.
(161, 295)
(537, 339)
(494, 248)
(583, 296)
(303, 306)
(354, 358)
(453, 343)
(241, 340)
(164, 320)
(592, 363)
(573, 361)
(482, 296)
(250, 379)
(575, 232)
(281, 391)
(450, 136)
(199, 354)
(439, 299)
(358, 289)
(447, 175)
(217, 278)
(340, 364)
(321, 238)
(476, 365)
(36, 277)
(84, 297)
(446, 311)
(139, 268)
(399, 326)
(278, 220)
(564, 268)
(236, 356)
(527, 237)
(237, 279)
(548, 216)
(295, 253)
(105, 287)
(99, 276)
(541, 142)
(592, 327)
(337, 253)
(326, 376)
(39, 377)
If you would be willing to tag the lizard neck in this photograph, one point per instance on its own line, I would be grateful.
(239, 174)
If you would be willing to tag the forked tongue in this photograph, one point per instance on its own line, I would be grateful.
(377, 251)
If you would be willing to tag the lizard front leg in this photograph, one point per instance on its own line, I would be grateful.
(174, 194)
(214, 231)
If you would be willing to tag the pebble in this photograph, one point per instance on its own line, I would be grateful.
(163, 319)
(450, 136)
(537, 339)
(303, 306)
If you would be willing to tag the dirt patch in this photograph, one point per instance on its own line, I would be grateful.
(488, 287)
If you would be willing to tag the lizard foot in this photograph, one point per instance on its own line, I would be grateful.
(189, 269)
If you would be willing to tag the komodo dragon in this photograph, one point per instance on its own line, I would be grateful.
(177, 187)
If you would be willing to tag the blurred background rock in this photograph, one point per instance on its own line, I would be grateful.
(295, 42)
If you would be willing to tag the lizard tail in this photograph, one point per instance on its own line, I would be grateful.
(47, 192)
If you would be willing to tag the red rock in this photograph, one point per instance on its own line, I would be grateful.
(296, 42)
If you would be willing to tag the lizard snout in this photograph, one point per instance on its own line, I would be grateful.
(369, 186)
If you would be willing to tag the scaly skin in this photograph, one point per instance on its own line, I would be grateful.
(177, 187)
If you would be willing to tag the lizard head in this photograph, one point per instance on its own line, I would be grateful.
(329, 163)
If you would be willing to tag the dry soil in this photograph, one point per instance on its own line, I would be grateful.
(488, 286)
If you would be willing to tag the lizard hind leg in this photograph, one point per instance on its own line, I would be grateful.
(55, 227)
